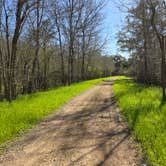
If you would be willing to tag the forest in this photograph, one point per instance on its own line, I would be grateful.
(49, 43)
(144, 36)
(66, 98)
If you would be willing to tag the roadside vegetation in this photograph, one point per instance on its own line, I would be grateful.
(27, 110)
(145, 112)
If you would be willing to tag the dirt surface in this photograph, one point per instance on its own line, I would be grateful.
(87, 131)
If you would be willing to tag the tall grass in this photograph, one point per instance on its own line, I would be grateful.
(146, 115)
(27, 110)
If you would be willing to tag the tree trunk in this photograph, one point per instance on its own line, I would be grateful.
(83, 56)
(12, 68)
(45, 69)
(163, 70)
(6, 74)
(62, 58)
(33, 85)
(145, 63)
(25, 80)
(70, 62)
(69, 66)
(61, 51)
(71, 43)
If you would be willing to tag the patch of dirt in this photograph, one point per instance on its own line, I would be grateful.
(87, 131)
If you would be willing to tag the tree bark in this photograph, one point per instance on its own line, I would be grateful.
(61, 51)
(83, 56)
(163, 70)
(33, 84)
(45, 68)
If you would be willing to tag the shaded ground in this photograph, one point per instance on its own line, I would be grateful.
(88, 131)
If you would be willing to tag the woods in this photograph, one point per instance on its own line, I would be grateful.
(82, 82)
(144, 36)
(49, 43)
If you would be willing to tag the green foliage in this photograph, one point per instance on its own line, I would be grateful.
(27, 110)
(146, 114)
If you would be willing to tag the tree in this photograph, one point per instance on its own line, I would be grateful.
(144, 37)
(56, 13)
(159, 25)
(23, 7)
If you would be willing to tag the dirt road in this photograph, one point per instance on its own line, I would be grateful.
(88, 131)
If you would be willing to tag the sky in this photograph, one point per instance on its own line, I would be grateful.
(114, 19)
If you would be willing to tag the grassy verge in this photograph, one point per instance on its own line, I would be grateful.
(146, 116)
(27, 110)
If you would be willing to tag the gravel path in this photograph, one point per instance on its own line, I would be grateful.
(87, 131)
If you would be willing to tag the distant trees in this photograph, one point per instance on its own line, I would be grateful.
(49, 43)
(144, 37)
(121, 65)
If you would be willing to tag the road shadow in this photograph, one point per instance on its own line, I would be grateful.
(87, 130)
(89, 125)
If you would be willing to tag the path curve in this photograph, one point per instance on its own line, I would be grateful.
(88, 131)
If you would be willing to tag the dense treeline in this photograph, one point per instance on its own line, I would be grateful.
(144, 36)
(48, 43)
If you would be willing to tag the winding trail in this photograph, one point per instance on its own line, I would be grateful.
(87, 131)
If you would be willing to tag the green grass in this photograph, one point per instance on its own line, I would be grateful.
(142, 106)
(27, 110)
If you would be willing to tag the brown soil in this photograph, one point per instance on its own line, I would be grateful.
(88, 131)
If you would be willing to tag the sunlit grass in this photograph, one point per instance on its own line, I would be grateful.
(146, 116)
(27, 110)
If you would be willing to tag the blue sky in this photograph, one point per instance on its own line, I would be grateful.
(114, 19)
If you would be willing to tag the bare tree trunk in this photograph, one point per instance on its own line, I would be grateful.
(145, 62)
(45, 68)
(24, 83)
(33, 84)
(83, 56)
(145, 35)
(69, 68)
(6, 74)
(37, 43)
(71, 42)
(163, 70)
(61, 53)
(62, 66)
(12, 68)
(72, 64)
